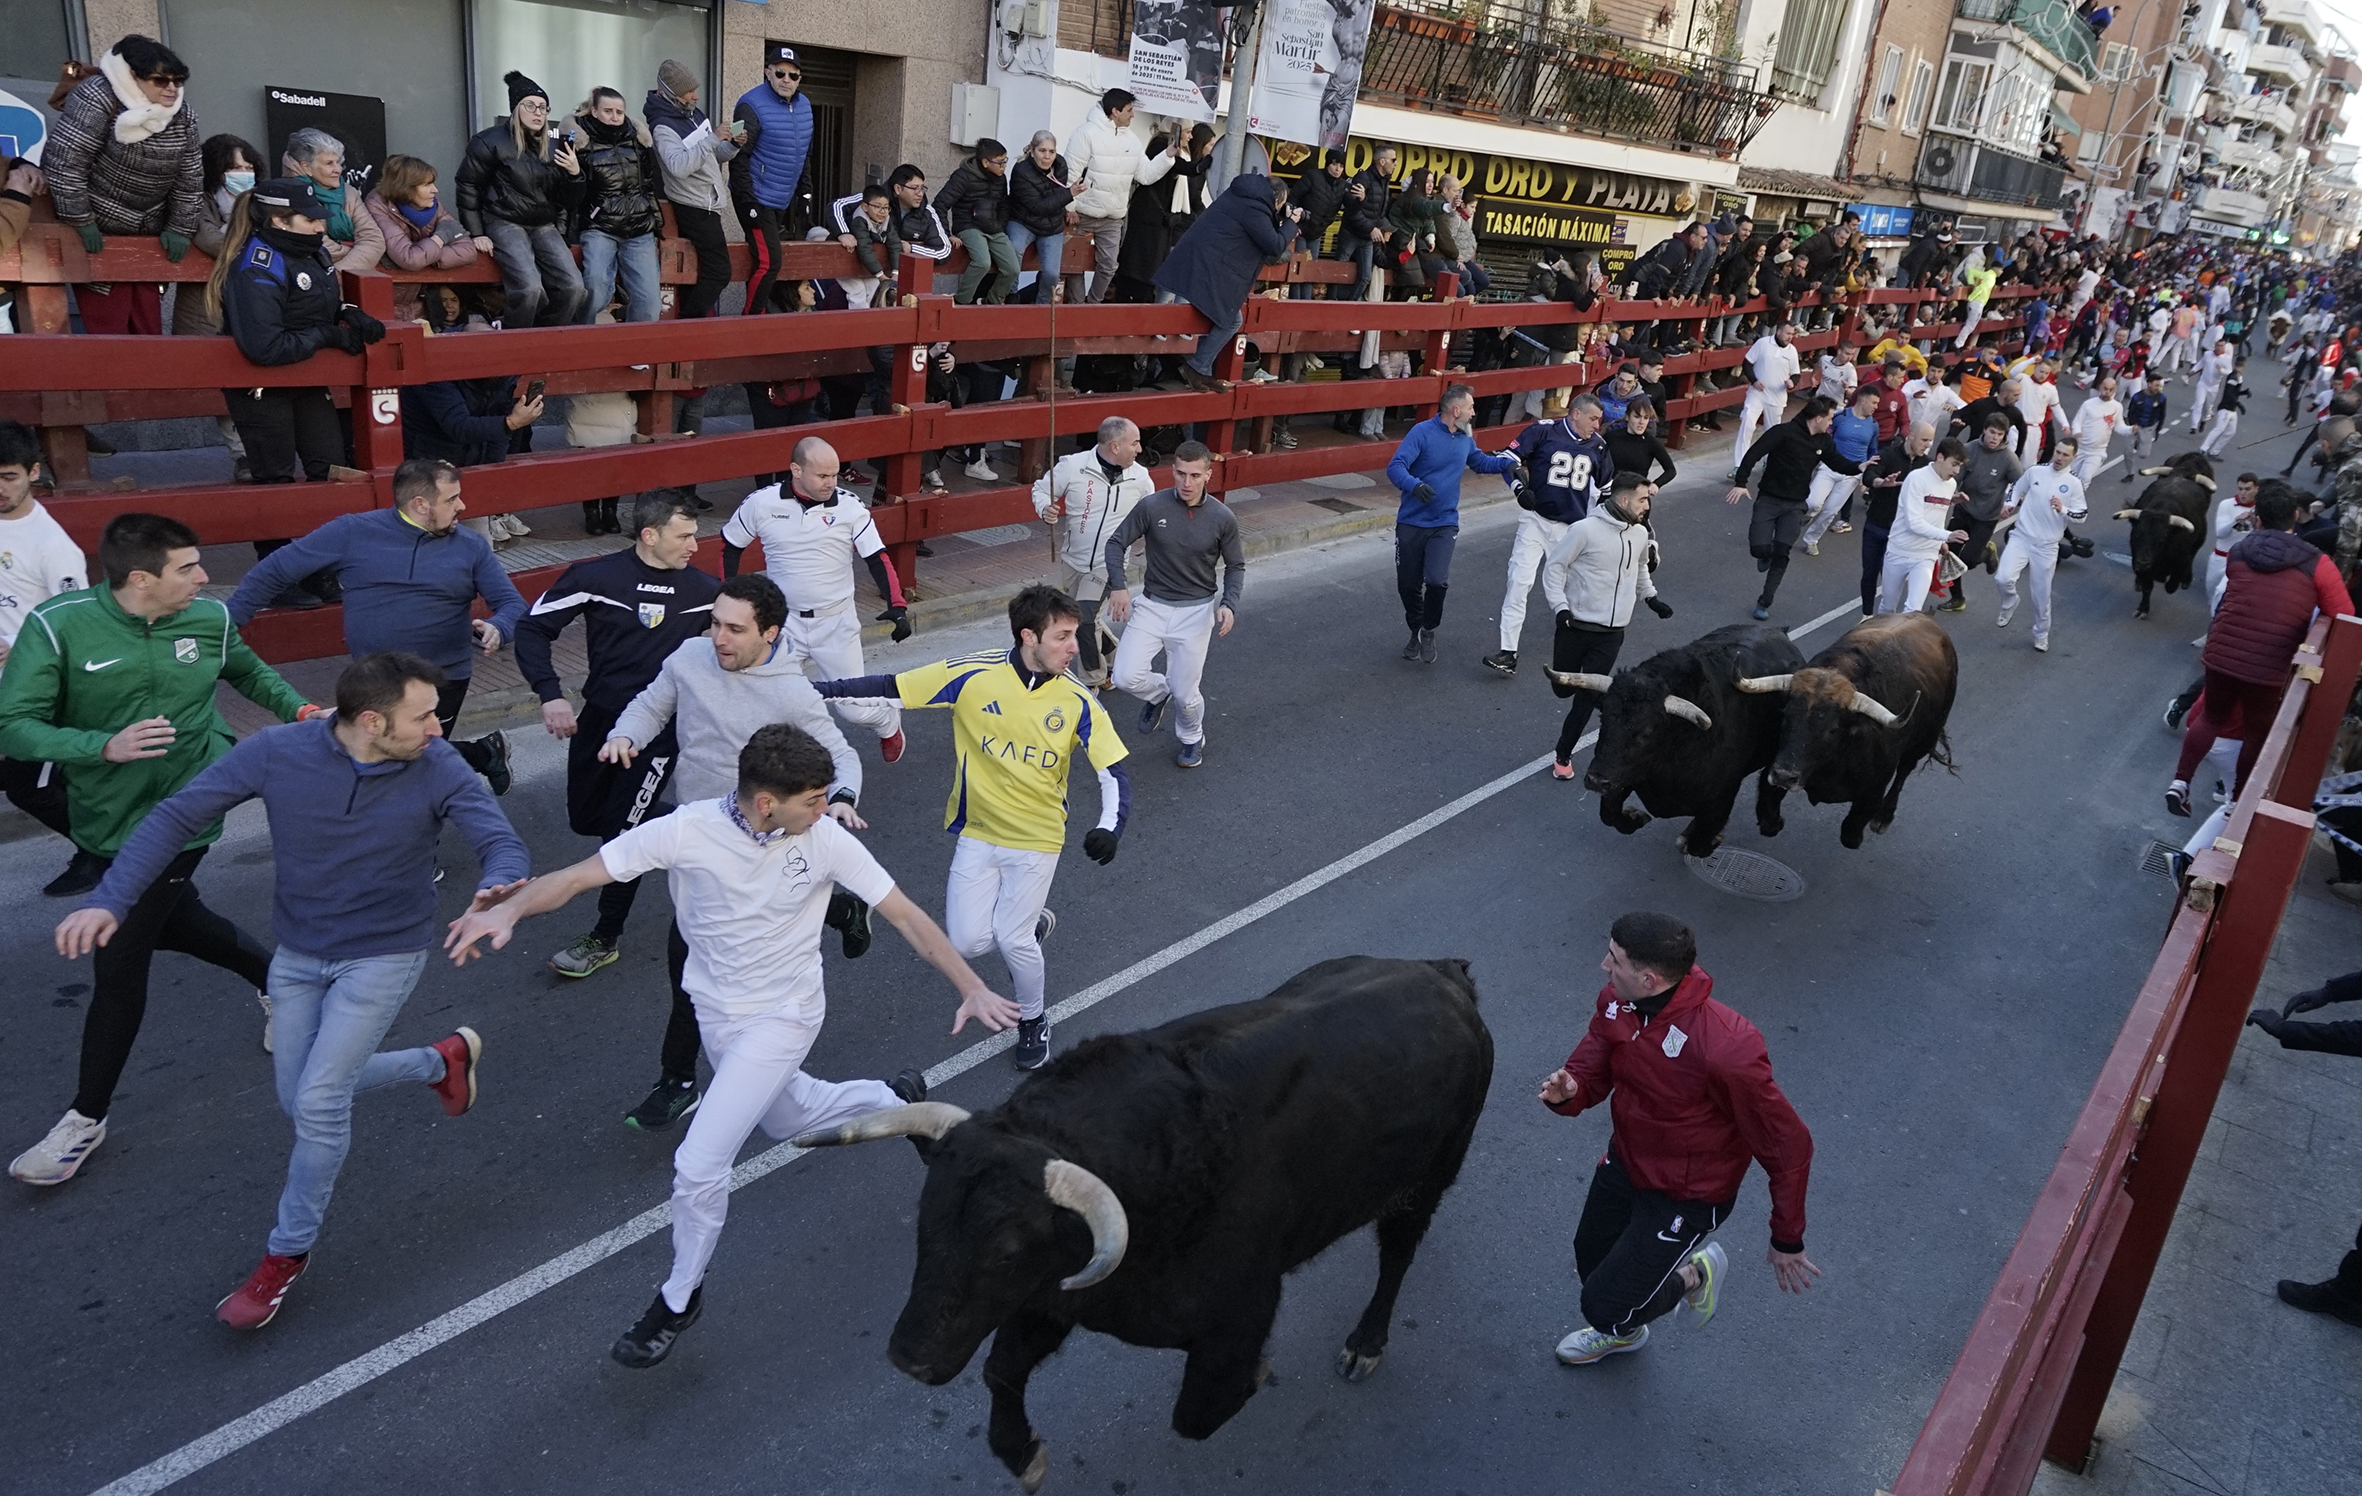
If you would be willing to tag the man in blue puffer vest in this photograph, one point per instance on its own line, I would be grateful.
(767, 175)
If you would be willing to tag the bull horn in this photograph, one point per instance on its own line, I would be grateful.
(1763, 685)
(920, 1119)
(2128, 514)
(2203, 481)
(1688, 711)
(2153, 472)
(1873, 709)
(2175, 519)
(1576, 680)
(1087, 1195)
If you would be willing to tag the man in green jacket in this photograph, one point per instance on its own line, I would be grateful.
(116, 684)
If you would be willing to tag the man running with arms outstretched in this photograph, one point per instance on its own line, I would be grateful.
(1017, 720)
(750, 875)
(1691, 1100)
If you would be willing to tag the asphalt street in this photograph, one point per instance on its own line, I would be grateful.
(1936, 1005)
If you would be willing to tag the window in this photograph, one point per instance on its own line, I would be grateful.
(573, 46)
(2117, 62)
(1923, 82)
(1962, 102)
(1890, 79)
(1809, 33)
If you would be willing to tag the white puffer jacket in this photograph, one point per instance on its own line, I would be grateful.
(1117, 161)
(1599, 570)
(1092, 509)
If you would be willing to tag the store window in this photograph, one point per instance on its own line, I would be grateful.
(573, 46)
(36, 41)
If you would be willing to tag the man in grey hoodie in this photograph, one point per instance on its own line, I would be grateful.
(717, 691)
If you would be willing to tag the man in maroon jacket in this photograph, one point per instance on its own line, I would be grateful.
(2271, 587)
(1692, 1100)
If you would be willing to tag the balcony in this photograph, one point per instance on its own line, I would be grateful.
(1574, 79)
(2265, 110)
(1961, 167)
(2298, 15)
(2284, 63)
(2052, 27)
(2251, 155)
(2225, 205)
(2232, 45)
(2343, 73)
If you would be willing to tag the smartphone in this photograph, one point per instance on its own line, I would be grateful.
(533, 390)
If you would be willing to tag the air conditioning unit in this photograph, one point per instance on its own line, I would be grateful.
(1945, 163)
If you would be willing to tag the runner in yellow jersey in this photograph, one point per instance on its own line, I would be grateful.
(1018, 722)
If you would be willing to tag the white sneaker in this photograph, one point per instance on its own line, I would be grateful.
(1812, 547)
(1263, 376)
(1588, 1345)
(2042, 644)
(982, 472)
(517, 528)
(1711, 1262)
(2008, 611)
(54, 1159)
(265, 999)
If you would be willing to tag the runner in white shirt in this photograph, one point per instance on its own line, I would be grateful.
(1839, 375)
(2038, 402)
(812, 532)
(1933, 399)
(1772, 365)
(2097, 420)
(2234, 519)
(1923, 513)
(2041, 504)
(38, 560)
(750, 876)
(2213, 368)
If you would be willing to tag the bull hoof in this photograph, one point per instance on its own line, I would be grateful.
(1878, 827)
(1772, 827)
(1357, 1368)
(1036, 1469)
(2140, 613)
(1850, 837)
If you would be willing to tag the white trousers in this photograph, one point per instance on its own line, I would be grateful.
(2203, 395)
(831, 640)
(1903, 583)
(1968, 328)
(2218, 436)
(995, 898)
(1763, 408)
(1825, 499)
(1536, 538)
(2086, 467)
(758, 1082)
(1182, 631)
(2040, 562)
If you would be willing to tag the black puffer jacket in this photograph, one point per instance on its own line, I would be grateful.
(1035, 198)
(1322, 197)
(974, 199)
(498, 181)
(621, 179)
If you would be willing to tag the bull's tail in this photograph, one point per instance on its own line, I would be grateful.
(1941, 753)
(1455, 971)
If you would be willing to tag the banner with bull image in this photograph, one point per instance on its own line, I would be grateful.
(1309, 70)
(1176, 62)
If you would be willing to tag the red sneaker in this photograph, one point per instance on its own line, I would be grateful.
(1561, 769)
(256, 1302)
(460, 1053)
(890, 749)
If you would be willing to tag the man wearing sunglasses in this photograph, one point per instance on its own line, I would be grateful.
(767, 174)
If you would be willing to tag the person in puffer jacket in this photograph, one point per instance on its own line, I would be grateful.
(1112, 161)
(2271, 589)
(1042, 191)
(974, 206)
(1085, 497)
(419, 232)
(774, 125)
(519, 185)
(125, 158)
(622, 183)
(692, 151)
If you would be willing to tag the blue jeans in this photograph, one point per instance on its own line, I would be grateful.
(1363, 253)
(327, 1017)
(537, 275)
(602, 256)
(1209, 344)
(1051, 252)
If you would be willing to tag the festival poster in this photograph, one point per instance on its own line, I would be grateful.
(1309, 70)
(1176, 62)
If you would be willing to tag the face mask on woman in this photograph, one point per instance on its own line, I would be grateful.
(237, 182)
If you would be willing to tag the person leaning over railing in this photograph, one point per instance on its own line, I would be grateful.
(354, 240)
(419, 232)
(518, 186)
(123, 159)
(691, 152)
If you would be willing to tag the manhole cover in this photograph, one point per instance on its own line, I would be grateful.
(1339, 506)
(1000, 535)
(2158, 858)
(1750, 875)
(1343, 480)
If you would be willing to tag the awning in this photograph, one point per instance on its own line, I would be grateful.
(2064, 121)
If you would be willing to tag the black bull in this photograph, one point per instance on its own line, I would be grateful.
(1678, 732)
(1860, 718)
(1157, 1186)
(2169, 524)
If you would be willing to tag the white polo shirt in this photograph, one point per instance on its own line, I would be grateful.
(1773, 366)
(809, 550)
(38, 560)
(750, 908)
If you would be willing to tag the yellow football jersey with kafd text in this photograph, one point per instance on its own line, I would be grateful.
(1011, 746)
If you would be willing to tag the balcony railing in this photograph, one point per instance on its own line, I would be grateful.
(1577, 79)
(1957, 165)
(2286, 63)
(2052, 24)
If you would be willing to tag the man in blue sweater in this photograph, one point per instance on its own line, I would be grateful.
(357, 807)
(1852, 442)
(1426, 470)
(411, 575)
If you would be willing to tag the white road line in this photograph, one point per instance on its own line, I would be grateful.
(364, 1369)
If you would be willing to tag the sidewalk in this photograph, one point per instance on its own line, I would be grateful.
(2224, 1389)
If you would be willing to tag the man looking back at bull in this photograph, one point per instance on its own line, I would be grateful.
(1692, 1099)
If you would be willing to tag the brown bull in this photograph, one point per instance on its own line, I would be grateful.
(1860, 718)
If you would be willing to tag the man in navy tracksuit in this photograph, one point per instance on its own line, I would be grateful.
(411, 575)
(768, 170)
(1426, 470)
(1569, 467)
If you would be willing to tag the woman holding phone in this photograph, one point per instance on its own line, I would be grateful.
(519, 184)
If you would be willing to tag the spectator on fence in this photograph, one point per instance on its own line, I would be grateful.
(354, 240)
(918, 228)
(1148, 227)
(17, 190)
(420, 233)
(1455, 240)
(1085, 496)
(869, 233)
(619, 213)
(229, 175)
(1659, 273)
(1578, 284)
(518, 188)
(974, 206)
(1411, 226)
(693, 155)
(767, 174)
(1215, 264)
(1111, 162)
(596, 418)
(1322, 193)
(1734, 285)
(123, 159)
(1042, 190)
(1367, 200)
